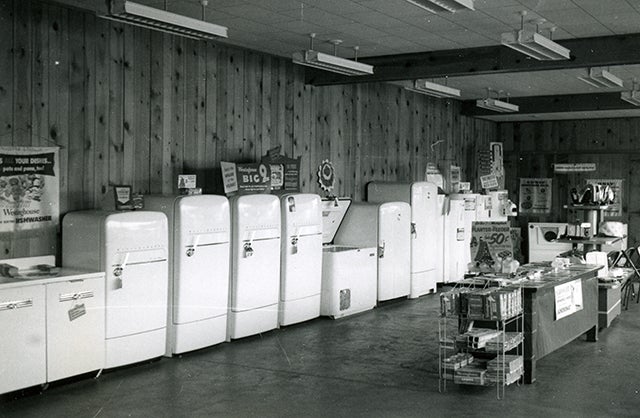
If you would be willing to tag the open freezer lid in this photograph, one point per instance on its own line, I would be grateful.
(333, 213)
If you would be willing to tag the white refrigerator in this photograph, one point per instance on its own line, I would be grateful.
(301, 258)
(349, 273)
(422, 196)
(255, 265)
(131, 248)
(457, 251)
(473, 211)
(199, 248)
(386, 226)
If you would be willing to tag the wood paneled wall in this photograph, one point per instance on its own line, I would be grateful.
(131, 106)
(613, 144)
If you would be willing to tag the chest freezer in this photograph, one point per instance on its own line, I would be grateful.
(199, 248)
(131, 248)
(255, 265)
(301, 258)
(349, 273)
(386, 226)
(422, 196)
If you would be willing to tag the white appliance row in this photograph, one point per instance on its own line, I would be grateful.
(193, 271)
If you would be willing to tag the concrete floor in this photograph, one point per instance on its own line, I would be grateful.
(382, 363)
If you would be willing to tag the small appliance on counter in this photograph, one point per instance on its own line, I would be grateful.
(349, 273)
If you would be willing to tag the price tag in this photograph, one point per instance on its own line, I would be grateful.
(76, 312)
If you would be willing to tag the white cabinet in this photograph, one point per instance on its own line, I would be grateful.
(51, 328)
(75, 327)
(23, 337)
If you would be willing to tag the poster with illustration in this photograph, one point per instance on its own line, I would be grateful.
(29, 188)
(535, 195)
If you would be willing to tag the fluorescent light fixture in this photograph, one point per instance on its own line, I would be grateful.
(632, 97)
(599, 77)
(535, 45)
(497, 105)
(157, 19)
(433, 89)
(438, 6)
(333, 63)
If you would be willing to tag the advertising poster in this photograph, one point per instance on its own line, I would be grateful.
(574, 167)
(568, 298)
(535, 195)
(490, 242)
(246, 178)
(29, 188)
(615, 209)
(285, 171)
(497, 162)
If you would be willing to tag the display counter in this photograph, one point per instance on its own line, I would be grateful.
(543, 332)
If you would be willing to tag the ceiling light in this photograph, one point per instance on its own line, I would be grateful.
(599, 77)
(497, 105)
(332, 63)
(632, 97)
(437, 6)
(433, 89)
(162, 20)
(533, 44)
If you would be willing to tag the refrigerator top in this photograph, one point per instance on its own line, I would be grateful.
(301, 214)
(333, 213)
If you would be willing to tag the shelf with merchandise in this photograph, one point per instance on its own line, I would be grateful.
(481, 337)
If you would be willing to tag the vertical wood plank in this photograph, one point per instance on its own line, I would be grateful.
(6, 72)
(129, 115)
(175, 164)
(40, 74)
(101, 126)
(77, 108)
(141, 124)
(89, 101)
(212, 179)
(116, 104)
(22, 65)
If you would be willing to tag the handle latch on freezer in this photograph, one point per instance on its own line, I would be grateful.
(191, 251)
(117, 272)
(381, 250)
(248, 251)
(294, 245)
(414, 232)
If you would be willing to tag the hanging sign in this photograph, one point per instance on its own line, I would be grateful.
(568, 298)
(497, 162)
(29, 188)
(490, 242)
(615, 208)
(326, 176)
(186, 181)
(245, 178)
(535, 195)
(574, 167)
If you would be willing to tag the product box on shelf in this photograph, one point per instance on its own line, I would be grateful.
(507, 341)
(471, 374)
(455, 362)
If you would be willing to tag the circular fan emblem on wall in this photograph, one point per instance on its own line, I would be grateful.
(326, 175)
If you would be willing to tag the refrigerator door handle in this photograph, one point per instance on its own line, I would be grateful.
(381, 250)
(414, 232)
(191, 249)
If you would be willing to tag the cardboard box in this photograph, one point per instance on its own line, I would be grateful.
(609, 305)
